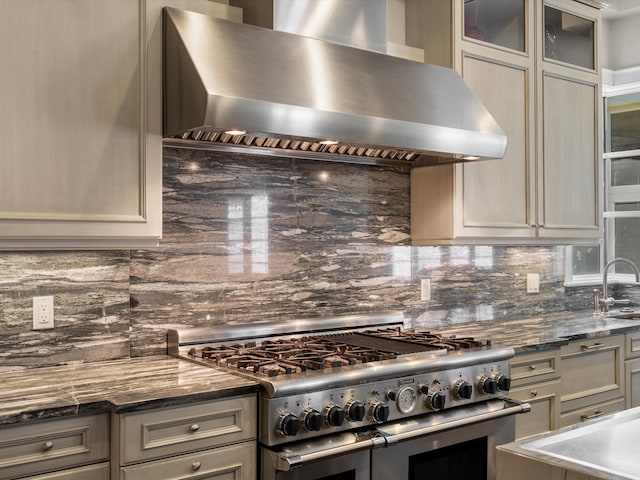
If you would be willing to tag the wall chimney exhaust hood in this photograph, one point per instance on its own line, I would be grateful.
(237, 87)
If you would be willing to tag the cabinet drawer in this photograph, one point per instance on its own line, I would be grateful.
(99, 471)
(594, 411)
(534, 367)
(544, 416)
(235, 462)
(171, 431)
(47, 445)
(633, 345)
(592, 372)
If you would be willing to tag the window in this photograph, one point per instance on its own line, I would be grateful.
(621, 166)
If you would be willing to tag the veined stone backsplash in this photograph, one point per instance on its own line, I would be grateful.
(249, 237)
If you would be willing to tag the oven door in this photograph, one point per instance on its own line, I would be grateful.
(345, 456)
(455, 444)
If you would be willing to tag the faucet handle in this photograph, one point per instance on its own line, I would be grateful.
(622, 301)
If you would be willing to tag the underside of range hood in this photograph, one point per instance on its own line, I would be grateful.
(297, 96)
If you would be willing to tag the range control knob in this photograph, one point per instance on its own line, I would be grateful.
(334, 415)
(436, 400)
(379, 411)
(392, 395)
(311, 419)
(424, 389)
(462, 389)
(487, 385)
(503, 382)
(355, 411)
(288, 425)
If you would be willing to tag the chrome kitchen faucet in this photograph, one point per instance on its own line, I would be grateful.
(607, 301)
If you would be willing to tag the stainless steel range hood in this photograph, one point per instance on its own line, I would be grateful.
(294, 96)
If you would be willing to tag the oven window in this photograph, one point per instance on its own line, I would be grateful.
(466, 461)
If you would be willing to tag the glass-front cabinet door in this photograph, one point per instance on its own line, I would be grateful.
(568, 38)
(496, 21)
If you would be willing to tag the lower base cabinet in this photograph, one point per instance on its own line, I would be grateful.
(207, 440)
(544, 416)
(237, 462)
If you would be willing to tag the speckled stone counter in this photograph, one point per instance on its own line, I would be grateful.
(119, 386)
(534, 333)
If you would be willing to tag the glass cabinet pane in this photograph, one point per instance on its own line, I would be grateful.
(568, 38)
(626, 234)
(622, 123)
(500, 22)
(625, 171)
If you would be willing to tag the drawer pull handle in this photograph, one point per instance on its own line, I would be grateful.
(595, 414)
(592, 347)
(532, 367)
(534, 393)
(195, 466)
(46, 446)
(195, 427)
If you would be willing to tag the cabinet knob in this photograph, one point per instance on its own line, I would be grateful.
(534, 393)
(195, 427)
(46, 446)
(532, 367)
(195, 466)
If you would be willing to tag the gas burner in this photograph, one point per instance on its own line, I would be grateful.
(429, 339)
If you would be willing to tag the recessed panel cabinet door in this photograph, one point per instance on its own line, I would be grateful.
(496, 193)
(79, 166)
(569, 203)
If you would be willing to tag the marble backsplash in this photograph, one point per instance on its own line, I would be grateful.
(249, 237)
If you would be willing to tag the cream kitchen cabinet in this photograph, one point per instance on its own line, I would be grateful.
(209, 440)
(81, 96)
(593, 379)
(535, 379)
(632, 370)
(74, 448)
(545, 189)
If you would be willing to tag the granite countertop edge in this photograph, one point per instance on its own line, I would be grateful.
(117, 386)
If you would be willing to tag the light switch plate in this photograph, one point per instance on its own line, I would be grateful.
(533, 283)
(425, 289)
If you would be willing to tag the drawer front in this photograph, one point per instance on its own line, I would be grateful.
(594, 411)
(534, 367)
(99, 471)
(172, 431)
(544, 416)
(48, 445)
(235, 462)
(633, 345)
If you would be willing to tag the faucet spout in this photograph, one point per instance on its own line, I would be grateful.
(607, 301)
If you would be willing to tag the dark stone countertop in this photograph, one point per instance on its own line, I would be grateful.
(533, 333)
(117, 386)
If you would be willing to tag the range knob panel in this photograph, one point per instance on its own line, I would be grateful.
(288, 425)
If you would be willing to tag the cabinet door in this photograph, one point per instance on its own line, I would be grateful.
(632, 374)
(496, 194)
(592, 372)
(544, 416)
(79, 168)
(568, 205)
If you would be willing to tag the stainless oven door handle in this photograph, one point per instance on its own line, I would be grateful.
(285, 463)
(512, 407)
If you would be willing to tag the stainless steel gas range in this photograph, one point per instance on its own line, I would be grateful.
(359, 397)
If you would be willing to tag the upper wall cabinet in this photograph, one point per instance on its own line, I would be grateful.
(81, 96)
(79, 167)
(535, 66)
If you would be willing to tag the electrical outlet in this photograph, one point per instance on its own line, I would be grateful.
(533, 282)
(42, 312)
(425, 289)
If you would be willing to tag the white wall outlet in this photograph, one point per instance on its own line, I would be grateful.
(533, 282)
(425, 289)
(42, 312)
